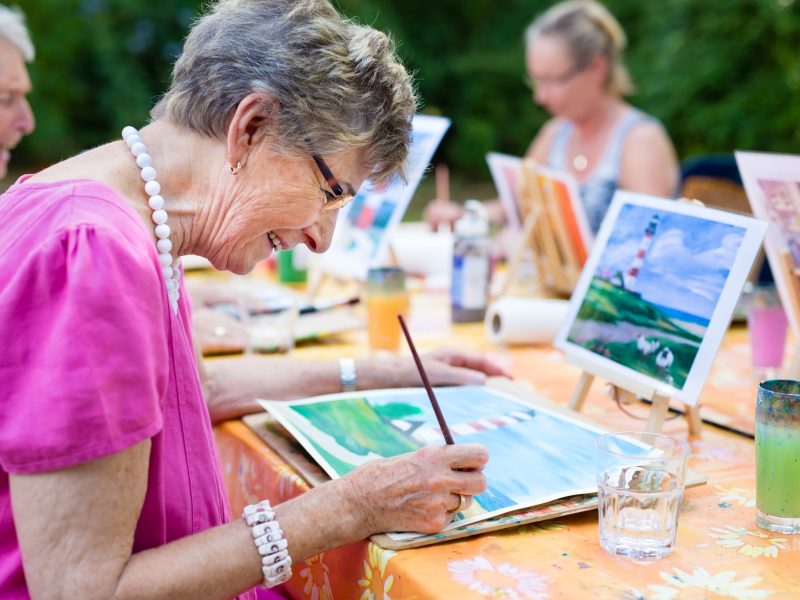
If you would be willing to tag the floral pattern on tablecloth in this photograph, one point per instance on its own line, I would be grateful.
(375, 581)
(724, 584)
(749, 542)
(502, 580)
(316, 577)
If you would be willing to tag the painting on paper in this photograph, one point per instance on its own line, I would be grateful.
(536, 455)
(658, 291)
(773, 190)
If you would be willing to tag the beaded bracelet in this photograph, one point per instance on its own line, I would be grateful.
(276, 564)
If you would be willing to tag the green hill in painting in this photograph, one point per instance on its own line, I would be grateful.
(608, 303)
(353, 425)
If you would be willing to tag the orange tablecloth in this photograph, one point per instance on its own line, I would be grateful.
(720, 551)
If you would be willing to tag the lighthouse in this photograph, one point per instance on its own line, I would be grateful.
(644, 246)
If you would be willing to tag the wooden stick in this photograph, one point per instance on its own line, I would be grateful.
(693, 417)
(581, 391)
(523, 243)
(658, 413)
(442, 174)
(431, 396)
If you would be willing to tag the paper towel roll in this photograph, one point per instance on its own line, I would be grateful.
(513, 320)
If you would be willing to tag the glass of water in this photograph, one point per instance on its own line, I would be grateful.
(269, 315)
(640, 481)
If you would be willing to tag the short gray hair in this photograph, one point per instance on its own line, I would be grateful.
(14, 31)
(589, 30)
(339, 85)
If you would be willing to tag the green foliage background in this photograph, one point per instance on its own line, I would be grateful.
(720, 74)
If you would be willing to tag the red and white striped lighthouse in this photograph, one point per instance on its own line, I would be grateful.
(644, 246)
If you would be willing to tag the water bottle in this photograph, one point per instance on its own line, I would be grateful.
(469, 292)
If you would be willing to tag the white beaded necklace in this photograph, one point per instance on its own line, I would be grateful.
(169, 267)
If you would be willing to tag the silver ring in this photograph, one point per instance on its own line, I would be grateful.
(462, 503)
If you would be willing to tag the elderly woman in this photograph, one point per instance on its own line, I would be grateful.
(16, 118)
(575, 64)
(278, 110)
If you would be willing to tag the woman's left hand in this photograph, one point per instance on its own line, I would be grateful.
(444, 366)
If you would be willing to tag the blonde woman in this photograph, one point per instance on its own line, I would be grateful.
(109, 480)
(574, 58)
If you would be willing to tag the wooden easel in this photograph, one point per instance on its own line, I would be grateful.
(792, 277)
(658, 409)
(545, 234)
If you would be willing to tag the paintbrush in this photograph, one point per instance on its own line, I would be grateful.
(439, 416)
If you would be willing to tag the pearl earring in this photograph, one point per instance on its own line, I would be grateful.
(237, 168)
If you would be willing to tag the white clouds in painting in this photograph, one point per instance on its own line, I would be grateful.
(687, 264)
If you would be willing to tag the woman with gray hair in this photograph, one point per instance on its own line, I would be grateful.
(277, 112)
(16, 118)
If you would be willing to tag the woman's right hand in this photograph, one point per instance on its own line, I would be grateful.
(418, 491)
(442, 213)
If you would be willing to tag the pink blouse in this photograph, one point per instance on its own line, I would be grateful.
(93, 361)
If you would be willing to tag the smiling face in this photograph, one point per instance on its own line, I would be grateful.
(276, 202)
(16, 118)
(562, 87)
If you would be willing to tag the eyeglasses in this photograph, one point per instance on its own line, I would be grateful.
(338, 198)
(534, 82)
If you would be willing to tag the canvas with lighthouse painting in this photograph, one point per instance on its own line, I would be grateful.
(657, 293)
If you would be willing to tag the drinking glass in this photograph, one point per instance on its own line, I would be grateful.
(386, 298)
(778, 456)
(640, 482)
(270, 318)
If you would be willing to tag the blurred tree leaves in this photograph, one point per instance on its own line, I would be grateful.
(720, 75)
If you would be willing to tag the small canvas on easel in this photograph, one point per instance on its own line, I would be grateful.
(364, 228)
(554, 228)
(570, 213)
(772, 183)
(506, 173)
(657, 294)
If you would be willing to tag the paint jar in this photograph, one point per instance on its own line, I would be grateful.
(778, 456)
(640, 482)
(469, 290)
(386, 298)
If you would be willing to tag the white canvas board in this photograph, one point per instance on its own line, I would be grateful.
(365, 227)
(506, 173)
(654, 324)
(772, 183)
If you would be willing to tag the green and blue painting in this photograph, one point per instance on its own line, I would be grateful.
(536, 455)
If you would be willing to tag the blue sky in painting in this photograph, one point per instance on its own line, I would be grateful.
(687, 264)
(539, 457)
